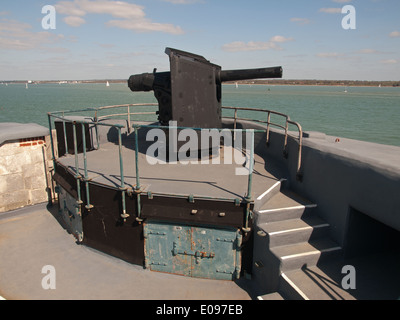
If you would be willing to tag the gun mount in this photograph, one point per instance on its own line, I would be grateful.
(190, 93)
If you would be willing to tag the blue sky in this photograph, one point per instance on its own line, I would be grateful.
(98, 39)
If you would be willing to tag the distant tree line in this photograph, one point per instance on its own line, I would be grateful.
(358, 83)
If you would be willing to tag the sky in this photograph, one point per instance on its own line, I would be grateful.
(107, 39)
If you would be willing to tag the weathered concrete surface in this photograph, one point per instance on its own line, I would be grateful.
(24, 165)
(32, 238)
(340, 174)
(22, 175)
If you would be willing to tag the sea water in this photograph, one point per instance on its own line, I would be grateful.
(362, 113)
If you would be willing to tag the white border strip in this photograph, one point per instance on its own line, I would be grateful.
(310, 253)
(296, 288)
(289, 208)
(269, 190)
(299, 229)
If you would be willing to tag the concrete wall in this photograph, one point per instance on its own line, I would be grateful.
(340, 174)
(24, 164)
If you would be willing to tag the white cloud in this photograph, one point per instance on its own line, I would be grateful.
(74, 21)
(394, 34)
(70, 8)
(16, 35)
(300, 21)
(129, 15)
(331, 10)
(145, 26)
(390, 61)
(334, 55)
(280, 39)
(367, 51)
(238, 46)
(182, 1)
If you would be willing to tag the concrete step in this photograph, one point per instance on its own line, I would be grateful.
(284, 205)
(262, 199)
(295, 230)
(271, 297)
(311, 283)
(295, 256)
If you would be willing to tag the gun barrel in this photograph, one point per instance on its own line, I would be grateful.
(248, 74)
(141, 82)
(147, 81)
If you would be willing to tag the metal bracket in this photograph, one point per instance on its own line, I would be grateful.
(191, 198)
(223, 271)
(125, 216)
(197, 254)
(237, 202)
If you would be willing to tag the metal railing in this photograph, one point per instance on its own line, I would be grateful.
(270, 124)
(96, 120)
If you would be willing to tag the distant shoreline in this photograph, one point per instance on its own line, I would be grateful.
(345, 83)
(337, 83)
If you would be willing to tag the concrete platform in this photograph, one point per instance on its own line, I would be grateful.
(32, 238)
(203, 180)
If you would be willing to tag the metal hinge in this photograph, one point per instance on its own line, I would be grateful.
(223, 271)
(158, 264)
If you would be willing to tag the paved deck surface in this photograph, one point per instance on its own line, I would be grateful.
(32, 238)
(205, 180)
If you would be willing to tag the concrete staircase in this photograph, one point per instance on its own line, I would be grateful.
(289, 236)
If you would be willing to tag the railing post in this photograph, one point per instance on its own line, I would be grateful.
(137, 188)
(250, 179)
(78, 177)
(52, 142)
(268, 125)
(88, 205)
(123, 189)
(129, 119)
(65, 138)
(235, 120)
(299, 175)
(285, 152)
(96, 122)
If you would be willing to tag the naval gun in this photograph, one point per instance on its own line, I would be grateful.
(190, 93)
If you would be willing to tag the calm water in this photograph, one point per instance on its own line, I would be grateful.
(369, 114)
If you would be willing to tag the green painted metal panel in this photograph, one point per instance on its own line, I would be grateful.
(201, 252)
(69, 210)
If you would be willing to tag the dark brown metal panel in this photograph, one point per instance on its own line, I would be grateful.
(105, 230)
(70, 138)
(215, 213)
(65, 179)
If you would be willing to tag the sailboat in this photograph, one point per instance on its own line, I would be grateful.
(108, 84)
(26, 85)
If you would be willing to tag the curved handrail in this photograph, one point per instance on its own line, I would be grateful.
(269, 123)
(61, 115)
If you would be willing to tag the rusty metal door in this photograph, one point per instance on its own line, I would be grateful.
(200, 252)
